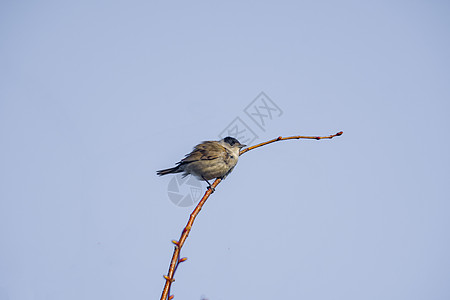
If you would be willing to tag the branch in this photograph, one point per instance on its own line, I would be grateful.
(296, 137)
(176, 260)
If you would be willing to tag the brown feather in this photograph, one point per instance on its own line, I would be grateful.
(206, 151)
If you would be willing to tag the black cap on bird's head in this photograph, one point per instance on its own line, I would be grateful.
(233, 142)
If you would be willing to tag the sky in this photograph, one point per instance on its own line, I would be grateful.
(96, 96)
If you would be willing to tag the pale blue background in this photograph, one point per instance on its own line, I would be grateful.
(95, 96)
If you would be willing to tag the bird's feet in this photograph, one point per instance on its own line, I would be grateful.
(209, 185)
(212, 189)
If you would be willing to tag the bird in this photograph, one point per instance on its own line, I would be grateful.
(208, 160)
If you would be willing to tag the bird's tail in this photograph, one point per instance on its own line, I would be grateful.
(169, 171)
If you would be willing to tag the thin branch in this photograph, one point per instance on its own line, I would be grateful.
(179, 244)
(176, 260)
(296, 137)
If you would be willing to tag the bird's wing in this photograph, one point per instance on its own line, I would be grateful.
(207, 151)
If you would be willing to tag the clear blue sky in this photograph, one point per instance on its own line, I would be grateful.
(95, 96)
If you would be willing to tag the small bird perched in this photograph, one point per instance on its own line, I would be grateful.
(208, 160)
